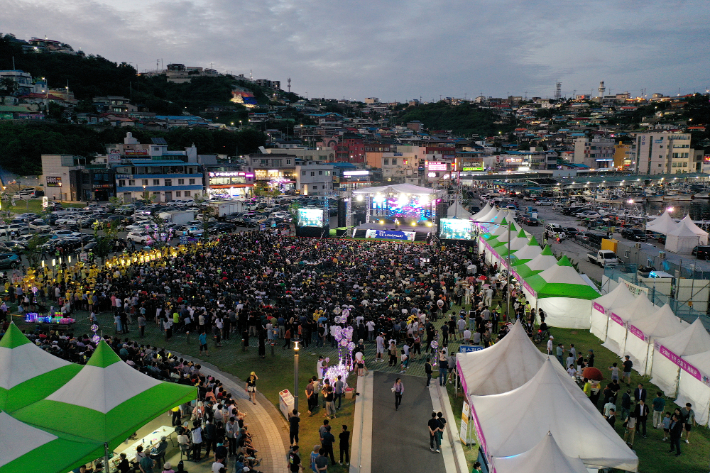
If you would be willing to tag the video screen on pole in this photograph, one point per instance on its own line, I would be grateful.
(311, 218)
(455, 229)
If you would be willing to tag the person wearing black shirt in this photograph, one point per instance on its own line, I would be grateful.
(433, 425)
(428, 370)
(345, 445)
(294, 460)
(293, 421)
(590, 359)
(124, 466)
(327, 441)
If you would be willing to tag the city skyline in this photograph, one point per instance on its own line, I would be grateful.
(396, 51)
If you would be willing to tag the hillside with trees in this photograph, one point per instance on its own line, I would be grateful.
(464, 119)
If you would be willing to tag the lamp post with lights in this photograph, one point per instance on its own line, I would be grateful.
(296, 349)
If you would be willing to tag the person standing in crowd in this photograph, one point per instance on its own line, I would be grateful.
(676, 431)
(443, 367)
(398, 390)
(327, 440)
(433, 426)
(293, 421)
(344, 438)
(294, 460)
(628, 364)
(314, 456)
(641, 416)
(630, 433)
(338, 391)
(428, 370)
(311, 396)
(251, 387)
(688, 420)
(659, 404)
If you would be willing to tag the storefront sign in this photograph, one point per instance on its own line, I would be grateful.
(390, 235)
(136, 152)
(54, 181)
(437, 166)
(469, 348)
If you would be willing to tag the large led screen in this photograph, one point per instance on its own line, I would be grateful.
(310, 218)
(455, 229)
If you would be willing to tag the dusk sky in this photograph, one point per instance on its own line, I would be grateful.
(393, 49)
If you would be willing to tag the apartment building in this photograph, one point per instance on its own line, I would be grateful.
(597, 152)
(664, 153)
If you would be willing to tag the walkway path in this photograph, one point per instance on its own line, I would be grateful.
(265, 422)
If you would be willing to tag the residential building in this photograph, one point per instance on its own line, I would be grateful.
(56, 176)
(314, 178)
(664, 153)
(597, 152)
(272, 170)
(21, 78)
(624, 156)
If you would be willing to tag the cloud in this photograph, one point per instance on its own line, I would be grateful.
(395, 50)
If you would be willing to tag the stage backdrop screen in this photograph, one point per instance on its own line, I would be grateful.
(310, 218)
(455, 229)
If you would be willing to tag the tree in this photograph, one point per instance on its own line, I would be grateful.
(104, 243)
(8, 86)
(33, 253)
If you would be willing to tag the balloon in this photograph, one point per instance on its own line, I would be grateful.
(96, 339)
(351, 346)
(435, 344)
(94, 328)
(343, 343)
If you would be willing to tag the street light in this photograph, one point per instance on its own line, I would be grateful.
(296, 348)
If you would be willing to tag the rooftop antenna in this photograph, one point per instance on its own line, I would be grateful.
(526, 95)
(558, 90)
(157, 65)
(289, 85)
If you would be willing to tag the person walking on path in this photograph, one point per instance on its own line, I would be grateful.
(398, 390)
(630, 423)
(344, 445)
(294, 460)
(659, 404)
(251, 387)
(433, 426)
(428, 370)
(443, 367)
(203, 343)
(676, 430)
(293, 421)
(628, 364)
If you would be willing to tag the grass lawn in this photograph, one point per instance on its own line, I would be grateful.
(32, 206)
(652, 451)
(275, 373)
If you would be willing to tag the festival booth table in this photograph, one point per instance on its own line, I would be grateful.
(512, 423)
(663, 224)
(104, 404)
(618, 318)
(563, 294)
(545, 457)
(148, 442)
(643, 332)
(28, 373)
(507, 365)
(604, 305)
(669, 352)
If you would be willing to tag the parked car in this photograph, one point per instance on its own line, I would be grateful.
(701, 252)
(635, 234)
(9, 260)
(570, 231)
(544, 202)
(138, 237)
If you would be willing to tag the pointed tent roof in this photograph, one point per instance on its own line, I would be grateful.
(545, 457)
(693, 227)
(528, 252)
(481, 213)
(561, 280)
(538, 264)
(663, 224)
(640, 308)
(106, 402)
(662, 323)
(685, 229)
(28, 373)
(502, 238)
(457, 210)
(513, 422)
(617, 298)
(691, 341)
(502, 367)
(488, 217)
(24, 445)
(516, 244)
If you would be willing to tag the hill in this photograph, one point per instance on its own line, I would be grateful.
(464, 119)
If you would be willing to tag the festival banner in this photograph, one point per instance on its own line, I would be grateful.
(684, 365)
(616, 319)
(637, 332)
(633, 288)
(390, 235)
(598, 307)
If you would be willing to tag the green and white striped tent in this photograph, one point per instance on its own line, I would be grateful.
(517, 243)
(530, 251)
(538, 264)
(26, 448)
(563, 294)
(106, 402)
(28, 373)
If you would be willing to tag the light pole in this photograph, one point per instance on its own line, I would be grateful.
(296, 348)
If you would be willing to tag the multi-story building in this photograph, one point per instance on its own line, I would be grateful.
(664, 153)
(597, 153)
(624, 156)
(314, 178)
(272, 170)
(22, 79)
(151, 171)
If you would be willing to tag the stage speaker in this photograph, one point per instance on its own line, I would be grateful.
(441, 209)
(342, 211)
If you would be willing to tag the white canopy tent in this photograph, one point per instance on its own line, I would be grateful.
(618, 318)
(685, 237)
(457, 210)
(693, 385)
(395, 189)
(502, 367)
(602, 307)
(481, 213)
(663, 224)
(545, 457)
(530, 251)
(669, 350)
(643, 332)
(512, 423)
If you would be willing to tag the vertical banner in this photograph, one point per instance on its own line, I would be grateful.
(465, 433)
